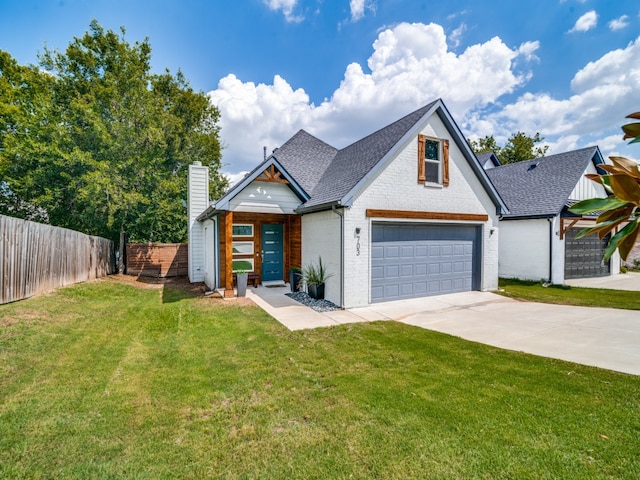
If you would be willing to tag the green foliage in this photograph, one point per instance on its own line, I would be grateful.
(565, 295)
(519, 147)
(313, 274)
(100, 143)
(619, 214)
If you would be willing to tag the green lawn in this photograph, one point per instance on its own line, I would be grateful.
(561, 294)
(107, 380)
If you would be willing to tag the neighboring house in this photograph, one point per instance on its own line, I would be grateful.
(538, 235)
(488, 160)
(405, 212)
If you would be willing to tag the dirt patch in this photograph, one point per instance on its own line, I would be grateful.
(179, 283)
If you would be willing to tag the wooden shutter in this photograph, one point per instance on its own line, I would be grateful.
(422, 175)
(445, 163)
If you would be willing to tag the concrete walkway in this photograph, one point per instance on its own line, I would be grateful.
(602, 337)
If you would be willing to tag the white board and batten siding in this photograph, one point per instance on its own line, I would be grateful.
(586, 188)
(265, 197)
(198, 201)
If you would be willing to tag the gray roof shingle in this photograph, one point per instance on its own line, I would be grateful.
(541, 187)
(352, 163)
(305, 158)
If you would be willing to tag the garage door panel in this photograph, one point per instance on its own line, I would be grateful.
(406, 271)
(392, 271)
(377, 273)
(584, 257)
(448, 250)
(391, 251)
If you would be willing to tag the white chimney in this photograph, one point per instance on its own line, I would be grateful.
(198, 202)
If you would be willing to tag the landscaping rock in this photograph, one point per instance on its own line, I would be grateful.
(317, 305)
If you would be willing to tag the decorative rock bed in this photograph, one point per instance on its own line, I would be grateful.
(317, 305)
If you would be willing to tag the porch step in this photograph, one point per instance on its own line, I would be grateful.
(274, 283)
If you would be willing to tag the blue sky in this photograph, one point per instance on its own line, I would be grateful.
(340, 69)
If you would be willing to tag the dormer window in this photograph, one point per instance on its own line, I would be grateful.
(433, 161)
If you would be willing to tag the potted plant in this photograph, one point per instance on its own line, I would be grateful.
(295, 278)
(315, 277)
(241, 280)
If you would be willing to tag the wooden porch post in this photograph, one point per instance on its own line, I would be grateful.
(228, 248)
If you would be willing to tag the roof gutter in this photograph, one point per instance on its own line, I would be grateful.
(341, 215)
(210, 212)
(320, 207)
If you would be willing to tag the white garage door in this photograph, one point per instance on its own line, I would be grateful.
(417, 260)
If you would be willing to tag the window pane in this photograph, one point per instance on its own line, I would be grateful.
(432, 150)
(243, 264)
(242, 248)
(242, 231)
(433, 172)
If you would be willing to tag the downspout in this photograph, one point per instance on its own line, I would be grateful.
(550, 220)
(341, 215)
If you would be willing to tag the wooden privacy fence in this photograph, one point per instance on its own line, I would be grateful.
(36, 258)
(157, 260)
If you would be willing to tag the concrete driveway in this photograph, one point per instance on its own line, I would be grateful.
(602, 337)
(626, 281)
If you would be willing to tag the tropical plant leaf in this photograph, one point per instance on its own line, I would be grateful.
(626, 165)
(634, 115)
(625, 188)
(622, 212)
(594, 177)
(627, 243)
(594, 204)
(631, 130)
(602, 229)
(618, 237)
(636, 140)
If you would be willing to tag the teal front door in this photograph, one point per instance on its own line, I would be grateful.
(272, 252)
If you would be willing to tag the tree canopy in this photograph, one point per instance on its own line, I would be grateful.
(94, 141)
(519, 147)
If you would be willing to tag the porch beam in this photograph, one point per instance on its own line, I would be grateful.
(405, 214)
(228, 253)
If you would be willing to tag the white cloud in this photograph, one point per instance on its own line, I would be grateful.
(456, 36)
(358, 8)
(287, 7)
(585, 22)
(604, 91)
(527, 50)
(410, 65)
(619, 23)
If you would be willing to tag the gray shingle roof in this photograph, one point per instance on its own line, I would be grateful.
(305, 158)
(541, 187)
(352, 163)
(484, 157)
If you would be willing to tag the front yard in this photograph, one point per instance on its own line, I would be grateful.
(108, 380)
(565, 295)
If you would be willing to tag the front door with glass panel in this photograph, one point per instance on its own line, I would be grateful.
(272, 253)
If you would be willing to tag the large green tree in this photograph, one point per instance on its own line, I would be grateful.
(519, 147)
(100, 143)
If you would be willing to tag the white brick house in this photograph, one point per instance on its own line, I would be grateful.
(405, 212)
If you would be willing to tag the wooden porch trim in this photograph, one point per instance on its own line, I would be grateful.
(228, 253)
(406, 214)
(566, 225)
(271, 175)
